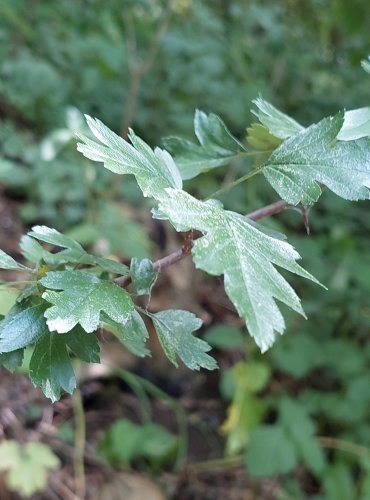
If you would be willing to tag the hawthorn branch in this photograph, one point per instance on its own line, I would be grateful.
(185, 250)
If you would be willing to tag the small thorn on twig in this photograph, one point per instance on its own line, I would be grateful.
(305, 213)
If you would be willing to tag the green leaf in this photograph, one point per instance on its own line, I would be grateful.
(296, 168)
(33, 251)
(27, 466)
(142, 275)
(7, 262)
(149, 440)
(50, 366)
(338, 483)
(22, 326)
(154, 170)
(279, 124)
(366, 64)
(224, 337)
(246, 254)
(270, 452)
(83, 297)
(259, 137)
(356, 124)
(216, 147)
(12, 360)
(301, 430)
(84, 345)
(133, 334)
(73, 250)
(246, 410)
(174, 329)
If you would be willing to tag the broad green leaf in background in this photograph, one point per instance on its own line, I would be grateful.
(84, 345)
(124, 441)
(246, 409)
(7, 262)
(278, 123)
(224, 337)
(22, 326)
(142, 275)
(154, 170)
(356, 124)
(83, 297)
(246, 254)
(50, 366)
(26, 466)
(217, 146)
(313, 156)
(301, 430)
(338, 483)
(174, 329)
(270, 452)
(133, 334)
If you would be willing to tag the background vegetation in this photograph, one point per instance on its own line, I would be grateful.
(293, 423)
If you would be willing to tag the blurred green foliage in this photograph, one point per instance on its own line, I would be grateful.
(150, 64)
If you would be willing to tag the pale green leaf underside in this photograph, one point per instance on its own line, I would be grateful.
(83, 298)
(154, 170)
(174, 329)
(216, 147)
(278, 123)
(7, 262)
(246, 255)
(356, 124)
(297, 167)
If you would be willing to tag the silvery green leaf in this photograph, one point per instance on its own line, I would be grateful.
(7, 262)
(154, 170)
(81, 300)
(217, 146)
(356, 124)
(246, 255)
(366, 64)
(174, 329)
(279, 124)
(297, 167)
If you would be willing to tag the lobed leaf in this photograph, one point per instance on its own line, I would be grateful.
(279, 124)
(217, 146)
(154, 170)
(22, 326)
(73, 250)
(7, 262)
(133, 334)
(82, 299)
(297, 167)
(246, 255)
(50, 366)
(174, 329)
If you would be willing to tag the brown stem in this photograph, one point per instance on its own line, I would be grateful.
(185, 250)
